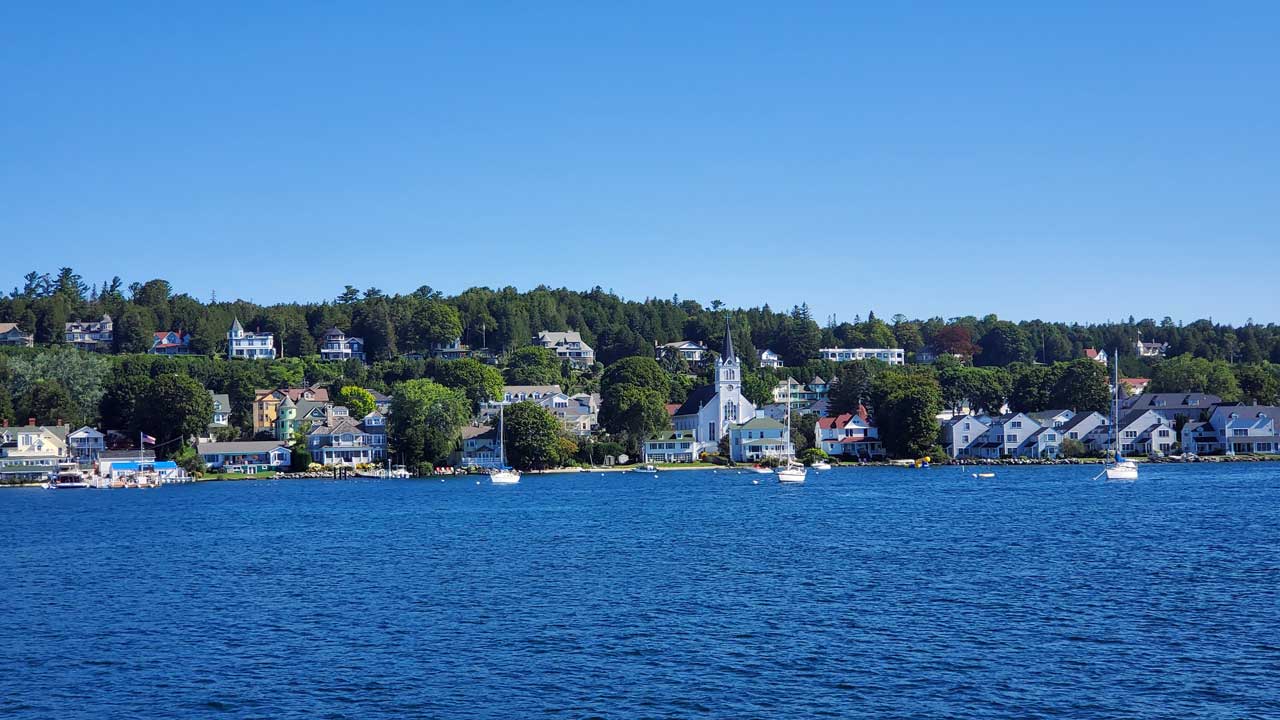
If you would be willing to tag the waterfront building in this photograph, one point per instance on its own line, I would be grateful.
(1234, 430)
(672, 446)
(171, 342)
(849, 435)
(342, 440)
(757, 439)
(567, 345)
(245, 456)
(336, 345)
(1052, 418)
(1145, 432)
(31, 452)
(892, 356)
(11, 334)
(94, 336)
(250, 345)
(769, 359)
(577, 414)
(1089, 428)
(711, 409)
(963, 433)
(479, 447)
(1191, 406)
(86, 444)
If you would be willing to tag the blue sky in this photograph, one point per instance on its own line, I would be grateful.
(1079, 162)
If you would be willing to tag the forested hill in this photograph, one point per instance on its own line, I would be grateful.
(505, 319)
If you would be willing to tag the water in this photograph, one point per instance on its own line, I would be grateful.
(864, 593)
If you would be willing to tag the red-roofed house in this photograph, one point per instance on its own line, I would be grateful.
(672, 408)
(173, 342)
(1136, 386)
(1098, 355)
(849, 435)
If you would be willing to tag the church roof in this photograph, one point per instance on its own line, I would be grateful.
(697, 399)
(729, 354)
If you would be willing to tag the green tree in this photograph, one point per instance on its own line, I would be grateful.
(1004, 343)
(1258, 383)
(175, 408)
(1071, 448)
(481, 383)
(433, 323)
(358, 401)
(532, 365)
(300, 459)
(6, 406)
(642, 372)
(122, 403)
(1081, 385)
(852, 387)
(1032, 388)
(906, 407)
(188, 459)
(49, 402)
(132, 331)
(426, 421)
(532, 437)
(633, 411)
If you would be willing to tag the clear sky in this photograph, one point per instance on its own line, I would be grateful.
(1071, 161)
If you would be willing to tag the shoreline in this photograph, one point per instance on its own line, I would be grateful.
(1006, 462)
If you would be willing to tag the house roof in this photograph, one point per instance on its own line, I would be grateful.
(728, 353)
(672, 408)
(1043, 416)
(1091, 353)
(832, 423)
(529, 389)
(1077, 420)
(1172, 401)
(238, 446)
(6, 327)
(86, 431)
(760, 423)
(763, 442)
(222, 398)
(476, 431)
(698, 398)
(671, 435)
(378, 396)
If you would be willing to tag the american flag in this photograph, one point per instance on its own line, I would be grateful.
(148, 440)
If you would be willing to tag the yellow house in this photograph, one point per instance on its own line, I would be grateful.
(266, 404)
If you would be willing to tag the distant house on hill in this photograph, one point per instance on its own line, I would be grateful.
(170, 342)
(94, 336)
(338, 346)
(567, 345)
(10, 334)
(250, 345)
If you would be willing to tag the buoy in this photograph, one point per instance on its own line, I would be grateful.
(755, 482)
(477, 482)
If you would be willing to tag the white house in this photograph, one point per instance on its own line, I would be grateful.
(769, 359)
(479, 447)
(250, 345)
(693, 352)
(567, 346)
(711, 409)
(338, 346)
(11, 334)
(849, 435)
(673, 446)
(893, 356)
(95, 336)
(86, 444)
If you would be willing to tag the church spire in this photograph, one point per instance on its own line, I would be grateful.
(728, 342)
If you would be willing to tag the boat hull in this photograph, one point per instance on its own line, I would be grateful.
(504, 477)
(791, 475)
(1124, 472)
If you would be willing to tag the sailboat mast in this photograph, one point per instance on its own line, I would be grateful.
(502, 448)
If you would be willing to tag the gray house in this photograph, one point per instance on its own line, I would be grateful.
(1171, 405)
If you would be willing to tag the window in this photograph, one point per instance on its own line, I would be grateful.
(964, 439)
(1130, 433)
(1073, 435)
(1240, 432)
(1015, 424)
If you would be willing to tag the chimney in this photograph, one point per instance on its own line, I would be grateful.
(31, 422)
(5, 421)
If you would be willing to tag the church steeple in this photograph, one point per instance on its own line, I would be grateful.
(728, 342)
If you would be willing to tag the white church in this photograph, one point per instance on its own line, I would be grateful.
(711, 409)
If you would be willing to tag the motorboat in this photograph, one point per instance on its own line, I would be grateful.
(821, 465)
(647, 469)
(69, 477)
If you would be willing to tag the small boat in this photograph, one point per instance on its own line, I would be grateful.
(648, 469)
(503, 475)
(1119, 468)
(821, 465)
(400, 472)
(69, 477)
(762, 470)
(984, 475)
(792, 471)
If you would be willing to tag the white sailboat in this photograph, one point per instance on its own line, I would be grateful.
(503, 475)
(1118, 468)
(791, 471)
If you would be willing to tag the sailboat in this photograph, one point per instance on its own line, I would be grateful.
(791, 471)
(503, 475)
(1118, 468)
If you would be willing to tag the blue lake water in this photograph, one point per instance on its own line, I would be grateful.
(864, 593)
